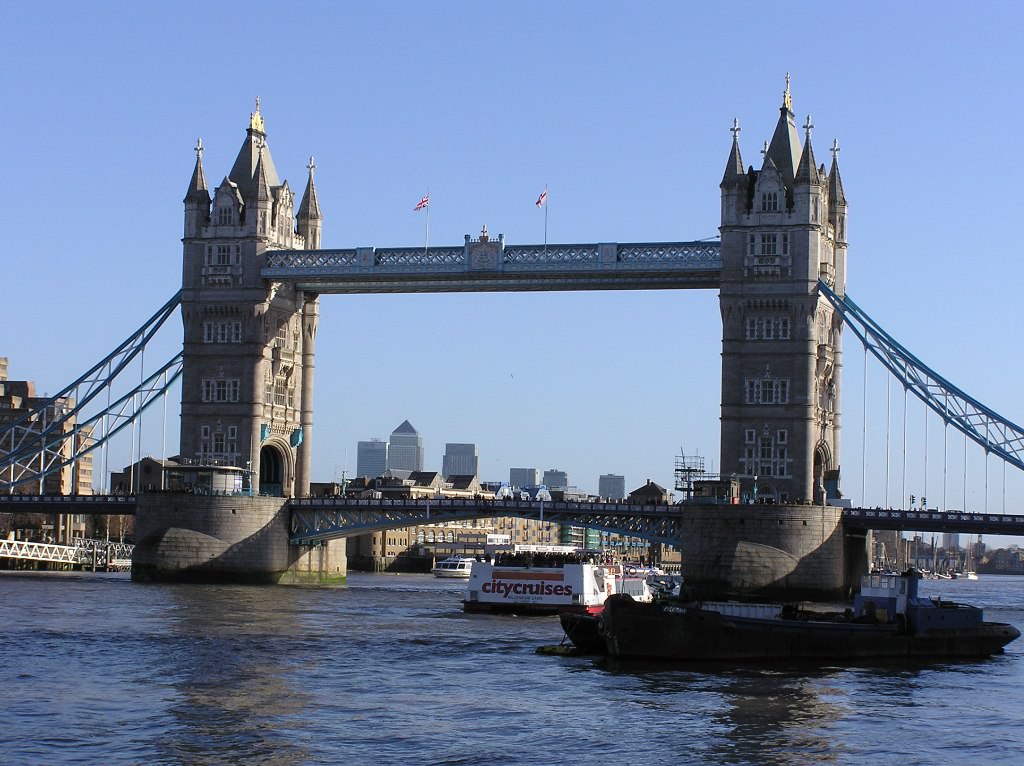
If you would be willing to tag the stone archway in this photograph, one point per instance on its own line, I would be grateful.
(822, 465)
(272, 471)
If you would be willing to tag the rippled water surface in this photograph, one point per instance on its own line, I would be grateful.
(96, 669)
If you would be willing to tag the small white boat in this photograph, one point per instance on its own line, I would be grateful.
(454, 566)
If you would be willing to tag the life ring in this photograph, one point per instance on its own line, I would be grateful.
(630, 571)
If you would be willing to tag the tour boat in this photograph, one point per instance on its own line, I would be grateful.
(888, 620)
(549, 579)
(454, 566)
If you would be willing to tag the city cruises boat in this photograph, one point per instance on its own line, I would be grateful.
(888, 620)
(454, 566)
(549, 579)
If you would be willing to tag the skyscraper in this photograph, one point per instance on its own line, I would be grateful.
(371, 458)
(405, 448)
(523, 477)
(460, 460)
(555, 479)
(611, 486)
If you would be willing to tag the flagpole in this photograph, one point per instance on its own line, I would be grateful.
(546, 203)
(426, 227)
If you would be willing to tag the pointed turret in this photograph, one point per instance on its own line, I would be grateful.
(198, 192)
(261, 186)
(197, 197)
(835, 183)
(807, 171)
(254, 152)
(734, 175)
(309, 217)
(784, 149)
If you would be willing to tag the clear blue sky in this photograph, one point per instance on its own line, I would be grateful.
(623, 110)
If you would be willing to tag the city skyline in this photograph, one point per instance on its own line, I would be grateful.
(531, 380)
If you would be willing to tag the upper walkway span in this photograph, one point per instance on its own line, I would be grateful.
(486, 265)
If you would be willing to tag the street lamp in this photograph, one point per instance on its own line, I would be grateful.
(755, 489)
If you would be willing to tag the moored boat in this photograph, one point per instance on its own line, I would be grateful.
(888, 619)
(454, 566)
(548, 579)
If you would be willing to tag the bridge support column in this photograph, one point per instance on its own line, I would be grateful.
(310, 318)
(778, 551)
(238, 539)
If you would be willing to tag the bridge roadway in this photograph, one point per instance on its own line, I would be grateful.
(315, 519)
(486, 264)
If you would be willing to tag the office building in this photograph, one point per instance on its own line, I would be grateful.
(523, 477)
(405, 448)
(371, 458)
(460, 460)
(555, 479)
(611, 486)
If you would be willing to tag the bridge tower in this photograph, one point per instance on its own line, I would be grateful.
(783, 228)
(247, 379)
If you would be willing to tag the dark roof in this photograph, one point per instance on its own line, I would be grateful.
(464, 481)
(405, 428)
(650, 489)
(309, 208)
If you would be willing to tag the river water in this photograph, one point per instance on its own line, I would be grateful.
(387, 670)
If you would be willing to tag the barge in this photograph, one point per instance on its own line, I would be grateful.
(888, 620)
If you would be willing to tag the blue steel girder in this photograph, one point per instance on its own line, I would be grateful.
(55, 433)
(318, 519)
(52, 450)
(493, 266)
(934, 521)
(979, 423)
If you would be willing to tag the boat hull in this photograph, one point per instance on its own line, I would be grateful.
(672, 631)
(583, 631)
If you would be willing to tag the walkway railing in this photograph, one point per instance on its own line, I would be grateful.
(101, 553)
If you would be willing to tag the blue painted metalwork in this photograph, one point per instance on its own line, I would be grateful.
(56, 433)
(981, 424)
(317, 519)
(89, 505)
(490, 265)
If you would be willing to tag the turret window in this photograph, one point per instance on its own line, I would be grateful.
(770, 202)
(225, 216)
(767, 390)
(767, 328)
(768, 456)
(222, 331)
(220, 389)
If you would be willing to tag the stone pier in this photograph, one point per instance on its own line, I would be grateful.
(776, 551)
(238, 539)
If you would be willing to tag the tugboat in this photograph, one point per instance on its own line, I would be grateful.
(888, 620)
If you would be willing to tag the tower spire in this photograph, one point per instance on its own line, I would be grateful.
(784, 149)
(309, 217)
(807, 172)
(197, 188)
(734, 167)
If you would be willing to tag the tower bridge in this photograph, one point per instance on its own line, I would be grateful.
(253, 273)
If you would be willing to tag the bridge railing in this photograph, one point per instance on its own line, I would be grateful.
(562, 257)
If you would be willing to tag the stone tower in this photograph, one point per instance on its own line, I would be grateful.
(783, 228)
(247, 382)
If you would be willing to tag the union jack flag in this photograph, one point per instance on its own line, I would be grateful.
(424, 202)
(542, 198)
